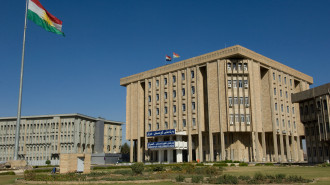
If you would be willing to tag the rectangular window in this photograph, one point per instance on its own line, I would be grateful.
(290, 82)
(149, 112)
(184, 123)
(157, 97)
(165, 95)
(165, 110)
(157, 83)
(275, 106)
(174, 93)
(274, 91)
(273, 76)
(242, 118)
(166, 125)
(282, 107)
(239, 66)
(182, 76)
(183, 92)
(192, 74)
(279, 78)
(281, 92)
(193, 106)
(292, 110)
(283, 123)
(231, 119)
(247, 101)
(174, 79)
(157, 111)
(230, 101)
(235, 83)
(289, 124)
(287, 109)
(174, 108)
(229, 83)
(236, 118)
(240, 84)
(245, 66)
(194, 122)
(286, 94)
(165, 81)
(277, 123)
(174, 124)
(234, 66)
(192, 89)
(235, 100)
(248, 119)
(183, 107)
(294, 124)
(228, 66)
(284, 80)
(246, 84)
(149, 84)
(157, 126)
(241, 100)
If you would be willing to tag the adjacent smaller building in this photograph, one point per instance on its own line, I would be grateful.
(45, 137)
(314, 113)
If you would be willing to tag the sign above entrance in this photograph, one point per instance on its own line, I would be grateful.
(161, 133)
(162, 144)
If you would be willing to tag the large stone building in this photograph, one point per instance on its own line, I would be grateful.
(228, 104)
(46, 137)
(314, 113)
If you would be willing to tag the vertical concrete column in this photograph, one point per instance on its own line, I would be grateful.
(256, 139)
(288, 153)
(138, 143)
(200, 108)
(264, 155)
(221, 96)
(211, 156)
(179, 157)
(282, 148)
(300, 152)
(294, 147)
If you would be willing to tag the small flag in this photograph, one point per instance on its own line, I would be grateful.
(39, 15)
(175, 55)
(168, 58)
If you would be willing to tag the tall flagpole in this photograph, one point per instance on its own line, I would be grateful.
(20, 89)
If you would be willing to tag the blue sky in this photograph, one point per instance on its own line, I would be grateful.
(107, 40)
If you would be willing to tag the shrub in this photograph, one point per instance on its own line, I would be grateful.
(179, 178)
(258, 176)
(29, 175)
(269, 164)
(280, 176)
(296, 179)
(123, 172)
(243, 164)
(228, 161)
(220, 164)
(110, 167)
(227, 179)
(176, 168)
(210, 170)
(48, 162)
(197, 179)
(259, 164)
(244, 178)
(189, 168)
(8, 173)
(200, 164)
(236, 161)
(137, 168)
(270, 177)
(232, 164)
(158, 167)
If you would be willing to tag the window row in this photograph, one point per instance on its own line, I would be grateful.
(193, 107)
(166, 126)
(237, 66)
(183, 77)
(238, 100)
(183, 93)
(282, 108)
(280, 79)
(305, 110)
(283, 123)
(239, 118)
(281, 94)
(233, 83)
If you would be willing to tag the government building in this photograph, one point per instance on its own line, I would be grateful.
(231, 104)
(46, 137)
(314, 113)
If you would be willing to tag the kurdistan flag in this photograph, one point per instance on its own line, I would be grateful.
(39, 15)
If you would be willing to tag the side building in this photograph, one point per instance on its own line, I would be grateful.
(231, 104)
(45, 137)
(314, 113)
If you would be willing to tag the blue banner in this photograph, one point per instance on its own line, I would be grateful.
(161, 133)
(162, 144)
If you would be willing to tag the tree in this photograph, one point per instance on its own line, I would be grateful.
(125, 150)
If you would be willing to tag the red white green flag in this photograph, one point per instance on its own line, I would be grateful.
(175, 55)
(39, 15)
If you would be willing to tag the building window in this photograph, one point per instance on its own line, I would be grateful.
(192, 74)
(287, 109)
(236, 118)
(283, 123)
(328, 127)
(174, 108)
(192, 89)
(239, 66)
(230, 101)
(165, 110)
(157, 111)
(183, 107)
(248, 119)
(306, 109)
(282, 107)
(193, 107)
(312, 108)
(284, 80)
(231, 119)
(174, 123)
(290, 82)
(294, 124)
(234, 66)
(242, 118)
(228, 66)
(241, 100)
(245, 66)
(149, 112)
(184, 123)
(286, 94)
(246, 84)
(182, 76)
(273, 76)
(279, 78)
(157, 97)
(240, 84)
(174, 93)
(149, 84)
(281, 92)
(229, 83)
(235, 100)
(157, 126)
(235, 83)
(275, 106)
(157, 83)
(183, 92)
(165, 95)
(325, 105)
(289, 124)
(165, 81)
(277, 123)
(247, 101)
(166, 125)
(194, 122)
(174, 79)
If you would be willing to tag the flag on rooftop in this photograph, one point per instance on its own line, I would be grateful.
(39, 15)
(168, 58)
(175, 55)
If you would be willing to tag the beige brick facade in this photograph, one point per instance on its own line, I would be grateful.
(230, 104)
